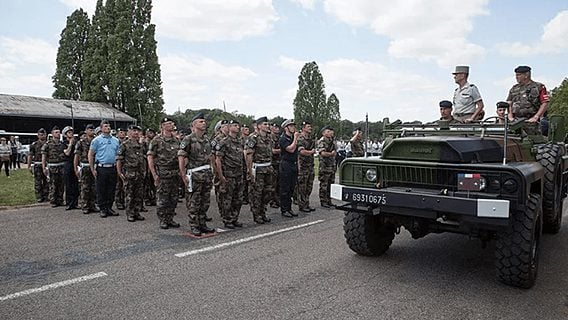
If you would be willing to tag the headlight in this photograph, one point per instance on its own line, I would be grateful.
(371, 175)
(510, 186)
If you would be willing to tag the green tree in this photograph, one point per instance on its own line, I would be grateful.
(310, 101)
(96, 79)
(559, 99)
(68, 79)
(333, 111)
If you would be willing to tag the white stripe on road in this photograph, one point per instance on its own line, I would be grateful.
(232, 243)
(53, 286)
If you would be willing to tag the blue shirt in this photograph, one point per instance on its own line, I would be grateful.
(105, 148)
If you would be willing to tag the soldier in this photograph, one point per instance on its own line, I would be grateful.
(306, 150)
(130, 167)
(467, 100)
(120, 195)
(221, 131)
(83, 172)
(149, 186)
(195, 160)
(102, 162)
(446, 113)
(163, 164)
(326, 150)
(230, 163)
(527, 99)
(275, 135)
(502, 107)
(288, 167)
(52, 164)
(69, 176)
(356, 143)
(35, 165)
(245, 132)
(258, 150)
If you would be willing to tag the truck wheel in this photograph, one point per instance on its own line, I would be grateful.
(517, 249)
(366, 234)
(549, 156)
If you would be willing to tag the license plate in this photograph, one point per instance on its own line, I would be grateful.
(365, 196)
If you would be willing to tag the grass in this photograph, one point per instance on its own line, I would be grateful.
(18, 189)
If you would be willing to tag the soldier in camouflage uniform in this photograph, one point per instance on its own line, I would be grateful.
(326, 149)
(275, 136)
(245, 132)
(149, 186)
(306, 150)
(120, 194)
(130, 167)
(83, 172)
(52, 164)
(221, 130)
(163, 164)
(230, 163)
(258, 150)
(528, 99)
(356, 142)
(195, 160)
(34, 164)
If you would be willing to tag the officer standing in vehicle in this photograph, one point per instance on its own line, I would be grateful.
(326, 148)
(468, 103)
(288, 167)
(34, 164)
(195, 162)
(527, 99)
(306, 150)
(52, 164)
(83, 172)
(356, 143)
(130, 168)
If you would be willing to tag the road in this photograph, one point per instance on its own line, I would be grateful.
(58, 264)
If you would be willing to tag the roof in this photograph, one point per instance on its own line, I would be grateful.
(35, 107)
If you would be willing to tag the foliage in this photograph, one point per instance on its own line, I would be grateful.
(559, 99)
(310, 102)
(183, 119)
(68, 78)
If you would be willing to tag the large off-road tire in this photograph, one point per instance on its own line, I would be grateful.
(366, 234)
(549, 156)
(517, 249)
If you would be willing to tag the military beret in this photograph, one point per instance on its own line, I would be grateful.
(326, 128)
(233, 121)
(89, 126)
(305, 123)
(167, 119)
(41, 130)
(134, 127)
(55, 128)
(120, 129)
(244, 125)
(522, 69)
(261, 120)
(150, 130)
(445, 104)
(287, 123)
(502, 104)
(198, 116)
(67, 129)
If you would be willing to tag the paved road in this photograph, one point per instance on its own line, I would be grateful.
(77, 266)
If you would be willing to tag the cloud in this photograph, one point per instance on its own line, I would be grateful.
(27, 50)
(214, 20)
(415, 29)
(553, 40)
(306, 4)
(87, 5)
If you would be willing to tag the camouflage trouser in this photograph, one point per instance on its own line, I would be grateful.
(134, 192)
(275, 196)
(88, 188)
(305, 184)
(326, 178)
(167, 196)
(197, 201)
(56, 185)
(40, 184)
(261, 193)
(231, 195)
(149, 190)
(119, 195)
(216, 186)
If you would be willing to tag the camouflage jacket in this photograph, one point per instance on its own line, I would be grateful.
(164, 150)
(526, 99)
(131, 153)
(306, 163)
(230, 150)
(261, 149)
(327, 145)
(35, 150)
(82, 149)
(276, 145)
(53, 151)
(357, 148)
(198, 152)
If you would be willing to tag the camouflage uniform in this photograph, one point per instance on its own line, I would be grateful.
(246, 181)
(40, 180)
(55, 156)
(216, 183)
(275, 197)
(326, 173)
(262, 188)
(357, 148)
(149, 186)
(198, 152)
(164, 150)
(120, 194)
(305, 172)
(526, 99)
(88, 186)
(230, 151)
(131, 153)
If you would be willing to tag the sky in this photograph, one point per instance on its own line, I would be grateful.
(382, 58)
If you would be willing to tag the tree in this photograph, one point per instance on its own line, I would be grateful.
(559, 99)
(333, 110)
(96, 81)
(310, 101)
(69, 79)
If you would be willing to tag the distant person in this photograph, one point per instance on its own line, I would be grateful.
(41, 186)
(5, 153)
(527, 99)
(15, 147)
(468, 104)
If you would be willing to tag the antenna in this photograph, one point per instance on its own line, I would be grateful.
(506, 136)
(366, 133)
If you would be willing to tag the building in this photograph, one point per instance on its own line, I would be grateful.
(28, 114)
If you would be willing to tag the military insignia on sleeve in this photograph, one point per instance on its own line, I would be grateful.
(182, 145)
(213, 143)
(218, 147)
(251, 143)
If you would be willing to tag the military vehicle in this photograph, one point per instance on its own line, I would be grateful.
(496, 182)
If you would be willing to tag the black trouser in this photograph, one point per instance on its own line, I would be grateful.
(15, 161)
(288, 180)
(5, 163)
(71, 185)
(106, 186)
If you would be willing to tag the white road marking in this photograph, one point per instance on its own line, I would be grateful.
(232, 243)
(53, 286)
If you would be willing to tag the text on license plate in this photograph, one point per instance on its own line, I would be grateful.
(369, 198)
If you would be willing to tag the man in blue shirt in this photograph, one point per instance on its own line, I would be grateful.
(102, 161)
